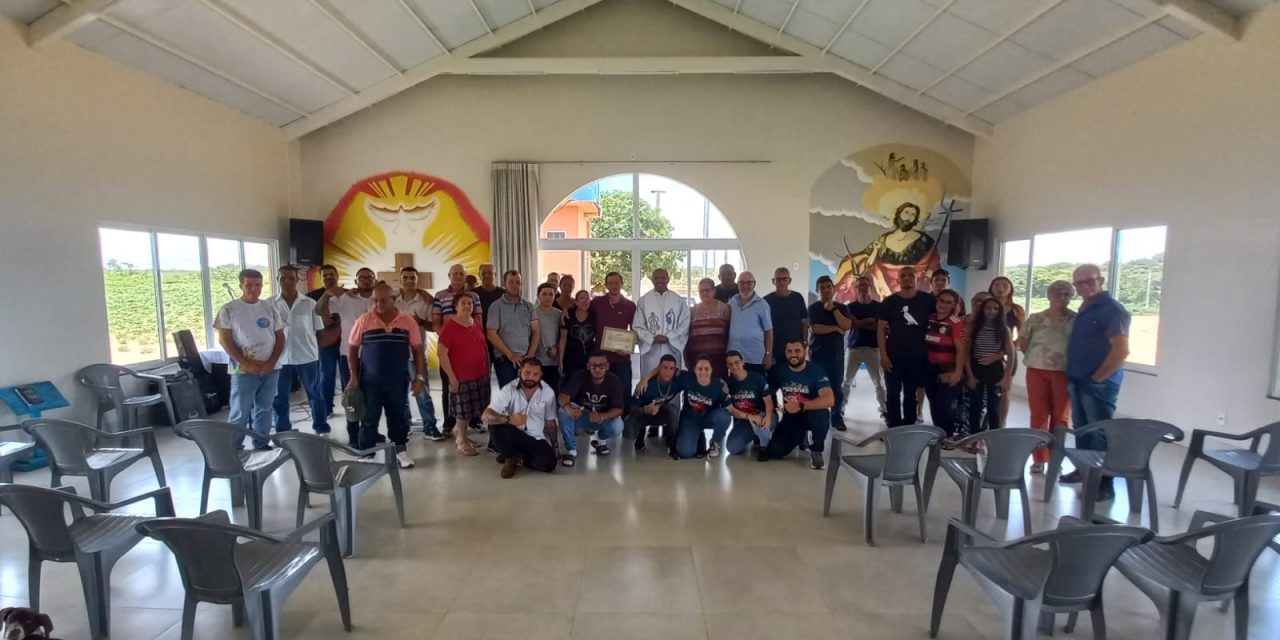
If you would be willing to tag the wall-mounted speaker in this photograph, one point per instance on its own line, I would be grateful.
(968, 246)
(306, 242)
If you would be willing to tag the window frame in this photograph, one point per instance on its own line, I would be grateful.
(563, 235)
(1112, 282)
(273, 256)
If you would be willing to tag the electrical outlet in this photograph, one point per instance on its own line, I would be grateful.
(1222, 419)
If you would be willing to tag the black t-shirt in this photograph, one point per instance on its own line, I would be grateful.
(908, 320)
(861, 311)
(603, 397)
(580, 343)
(487, 298)
(788, 313)
(828, 343)
(315, 294)
(723, 293)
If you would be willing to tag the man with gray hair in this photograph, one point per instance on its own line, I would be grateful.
(251, 331)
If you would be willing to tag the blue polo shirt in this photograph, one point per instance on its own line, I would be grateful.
(747, 324)
(1096, 323)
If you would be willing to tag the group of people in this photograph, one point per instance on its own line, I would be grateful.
(769, 371)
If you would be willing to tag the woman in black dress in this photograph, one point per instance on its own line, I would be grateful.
(577, 336)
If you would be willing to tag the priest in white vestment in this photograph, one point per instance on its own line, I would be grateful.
(661, 323)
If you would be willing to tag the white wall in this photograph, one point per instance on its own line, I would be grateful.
(1189, 138)
(87, 140)
(454, 127)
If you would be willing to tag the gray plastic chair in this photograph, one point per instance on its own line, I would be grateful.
(1129, 445)
(1007, 451)
(897, 467)
(94, 542)
(1171, 571)
(1052, 572)
(1245, 466)
(104, 381)
(344, 481)
(76, 449)
(247, 471)
(255, 576)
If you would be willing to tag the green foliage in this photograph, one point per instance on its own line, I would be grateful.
(1139, 287)
(615, 222)
(131, 303)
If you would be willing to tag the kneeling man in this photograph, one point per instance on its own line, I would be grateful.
(522, 421)
(807, 399)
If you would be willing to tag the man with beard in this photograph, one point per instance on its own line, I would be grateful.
(349, 306)
(382, 341)
(806, 401)
(591, 401)
(329, 338)
(750, 325)
(661, 322)
(904, 321)
(728, 286)
(907, 245)
(522, 422)
(653, 406)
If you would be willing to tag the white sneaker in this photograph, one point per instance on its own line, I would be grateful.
(405, 460)
(714, 451)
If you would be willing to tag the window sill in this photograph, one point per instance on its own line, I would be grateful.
(1142, 369)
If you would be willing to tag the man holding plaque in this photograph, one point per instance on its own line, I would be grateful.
(661, 322)
(614, 314)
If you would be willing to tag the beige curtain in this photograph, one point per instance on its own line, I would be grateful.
(515, 220)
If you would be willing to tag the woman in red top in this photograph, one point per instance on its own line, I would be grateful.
(464, 357)
(947, 355)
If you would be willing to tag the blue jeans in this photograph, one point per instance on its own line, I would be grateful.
(740, 437)
(252, 396)
(329, 375)
(309, 375)
(569, 428)
(388, 396)
(1090, 402)
(505, 371)
(833, 365)
(792, 428)
(426, 406)
(693, 426)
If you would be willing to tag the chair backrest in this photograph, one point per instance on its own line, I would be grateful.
(1271, 455)
(65, 441)
(312, 457)
(189, 354)
(42, 513)
(104, 380)
(1130, 442)
(1082, 556)
(219, 443)
(205, 550)
(1237, 545)
(903, 447)
(1007, 452)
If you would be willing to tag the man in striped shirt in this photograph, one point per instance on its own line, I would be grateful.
(382, 340)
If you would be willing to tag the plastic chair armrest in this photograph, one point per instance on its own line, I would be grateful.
(163, 502)
(297, 534)
(845, 438)
(361, 452)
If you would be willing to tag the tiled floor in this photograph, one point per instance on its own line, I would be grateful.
(621, 547)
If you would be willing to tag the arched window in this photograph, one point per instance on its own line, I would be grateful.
(634, 223)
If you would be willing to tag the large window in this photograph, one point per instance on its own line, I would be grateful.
(1131, 259)
(634, 223)
(159, 282)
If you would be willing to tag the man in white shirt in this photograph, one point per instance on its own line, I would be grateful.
(251, 331)
(522, 422)
(661, 323)
(301, 357)
(349, 305)
(416, 303)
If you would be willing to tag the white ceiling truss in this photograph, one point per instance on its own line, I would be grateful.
(304, 64)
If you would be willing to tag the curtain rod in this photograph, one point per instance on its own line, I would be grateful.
(642, 161)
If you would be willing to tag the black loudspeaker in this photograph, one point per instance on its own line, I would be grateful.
(968, 247)
(306, 242)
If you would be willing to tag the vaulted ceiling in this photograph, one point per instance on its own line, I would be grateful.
(302, 64)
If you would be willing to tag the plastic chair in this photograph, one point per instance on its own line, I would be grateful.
(77, 450)
(247, 471)
(94, 542)
(11, 452)
(255, 576)
(104, 381)
(897, 467)
(1171, 571)
(344, 481)
(1007, 451)
(1246, 467)
(1128, 455)
(1037, 576)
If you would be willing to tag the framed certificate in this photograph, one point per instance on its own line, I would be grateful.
(618, 341)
